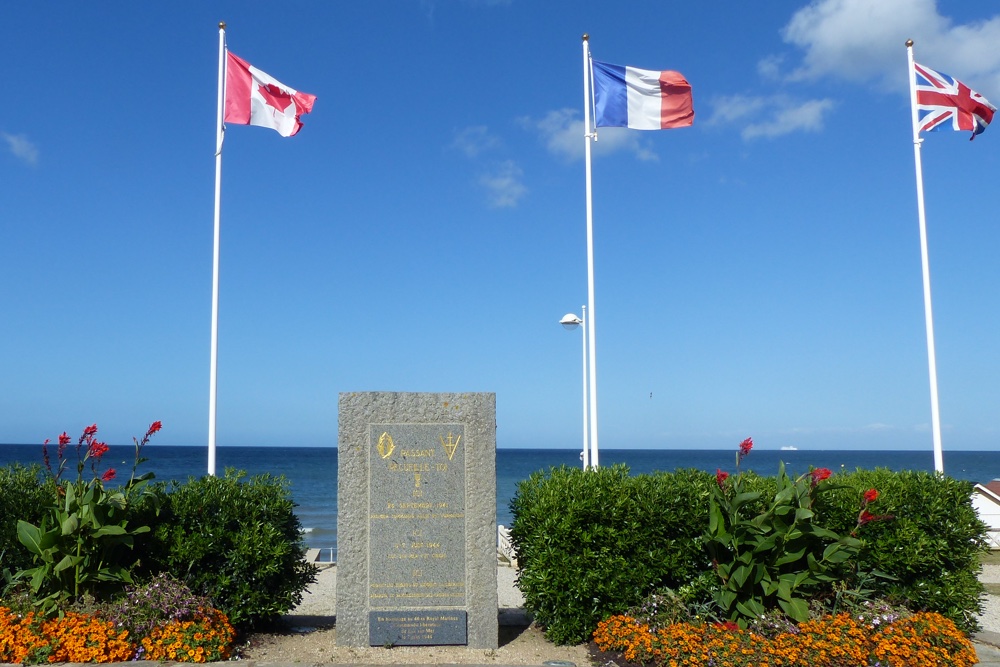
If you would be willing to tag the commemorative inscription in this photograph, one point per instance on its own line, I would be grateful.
(426, 628)
(417, 516)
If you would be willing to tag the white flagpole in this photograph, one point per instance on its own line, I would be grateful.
(592, 366)
(220, 132)
(586, 418)
(925, 265)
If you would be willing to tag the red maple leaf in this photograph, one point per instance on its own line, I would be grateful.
(275, 97)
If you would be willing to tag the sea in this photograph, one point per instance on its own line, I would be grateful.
(312, 471)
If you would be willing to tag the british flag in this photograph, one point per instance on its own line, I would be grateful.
(944, 102)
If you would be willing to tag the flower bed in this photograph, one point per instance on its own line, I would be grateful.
(921, 640)
(76, 637)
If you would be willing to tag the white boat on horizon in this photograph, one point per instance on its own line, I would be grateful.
(789, 448)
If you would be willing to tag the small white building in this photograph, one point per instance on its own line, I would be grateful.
(986, 501)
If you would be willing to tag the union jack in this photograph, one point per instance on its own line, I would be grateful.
(943, 100)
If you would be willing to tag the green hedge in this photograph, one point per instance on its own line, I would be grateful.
(931, 546)
(591, 544)
(22, 496)
(234, 540)
(238, 542)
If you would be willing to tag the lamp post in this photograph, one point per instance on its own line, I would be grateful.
(570, 322)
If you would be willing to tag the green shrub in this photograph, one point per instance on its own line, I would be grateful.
(22, 497)
(237, 542)
(930, 547)
(591, 544)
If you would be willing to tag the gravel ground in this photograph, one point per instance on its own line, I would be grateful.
(990, 618)
(311, 635)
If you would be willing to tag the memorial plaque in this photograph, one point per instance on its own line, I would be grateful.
(427, 628)
(416, 520)
(417, 514)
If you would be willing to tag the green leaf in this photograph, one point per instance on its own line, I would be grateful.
(725, 598)
(110, 530)
(34, 538)
(741, 575)
(791, 557)
(751, 608)
(784, 510)
(70, 525)
(784, 495)
(70, 496)
(714, 517)
(744, 498)
(764, 544)
(825, 534)
(796, 608)
(30, 536)
(39, 574)
(67, 562)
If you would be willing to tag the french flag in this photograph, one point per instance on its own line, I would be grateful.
(641, 99)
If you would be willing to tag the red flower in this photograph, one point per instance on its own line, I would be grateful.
(819, 474)
(108, 475)
(720, 476)
(746, 446)
(871, 495)
(865, 517)
(90, 430)
(97, 449)
(63, 439)
(153, 428)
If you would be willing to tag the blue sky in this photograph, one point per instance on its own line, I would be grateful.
(756, 274)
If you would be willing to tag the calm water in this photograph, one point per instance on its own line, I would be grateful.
(312, 471)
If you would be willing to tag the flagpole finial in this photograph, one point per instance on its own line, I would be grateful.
(909, 43)
(222, 25)
(586, 37)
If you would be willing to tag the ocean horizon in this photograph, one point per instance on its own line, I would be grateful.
(312, 471)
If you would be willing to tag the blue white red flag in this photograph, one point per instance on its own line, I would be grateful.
(641, 99)
(944, 102)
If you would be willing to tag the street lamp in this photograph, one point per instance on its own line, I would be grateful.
(570, 322)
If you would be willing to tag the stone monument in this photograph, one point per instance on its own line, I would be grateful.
(416, 520)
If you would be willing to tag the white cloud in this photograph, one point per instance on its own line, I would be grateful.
(474, 140)
(504, 184)
(807, 116)
(878, 426)
(503, 180)
(562, 133)
(769, 67)
(769, 116)
(862, 40)
(21, 147)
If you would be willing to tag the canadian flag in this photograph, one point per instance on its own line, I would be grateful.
(256, 98)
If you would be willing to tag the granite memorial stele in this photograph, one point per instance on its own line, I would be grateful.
(416, 519)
